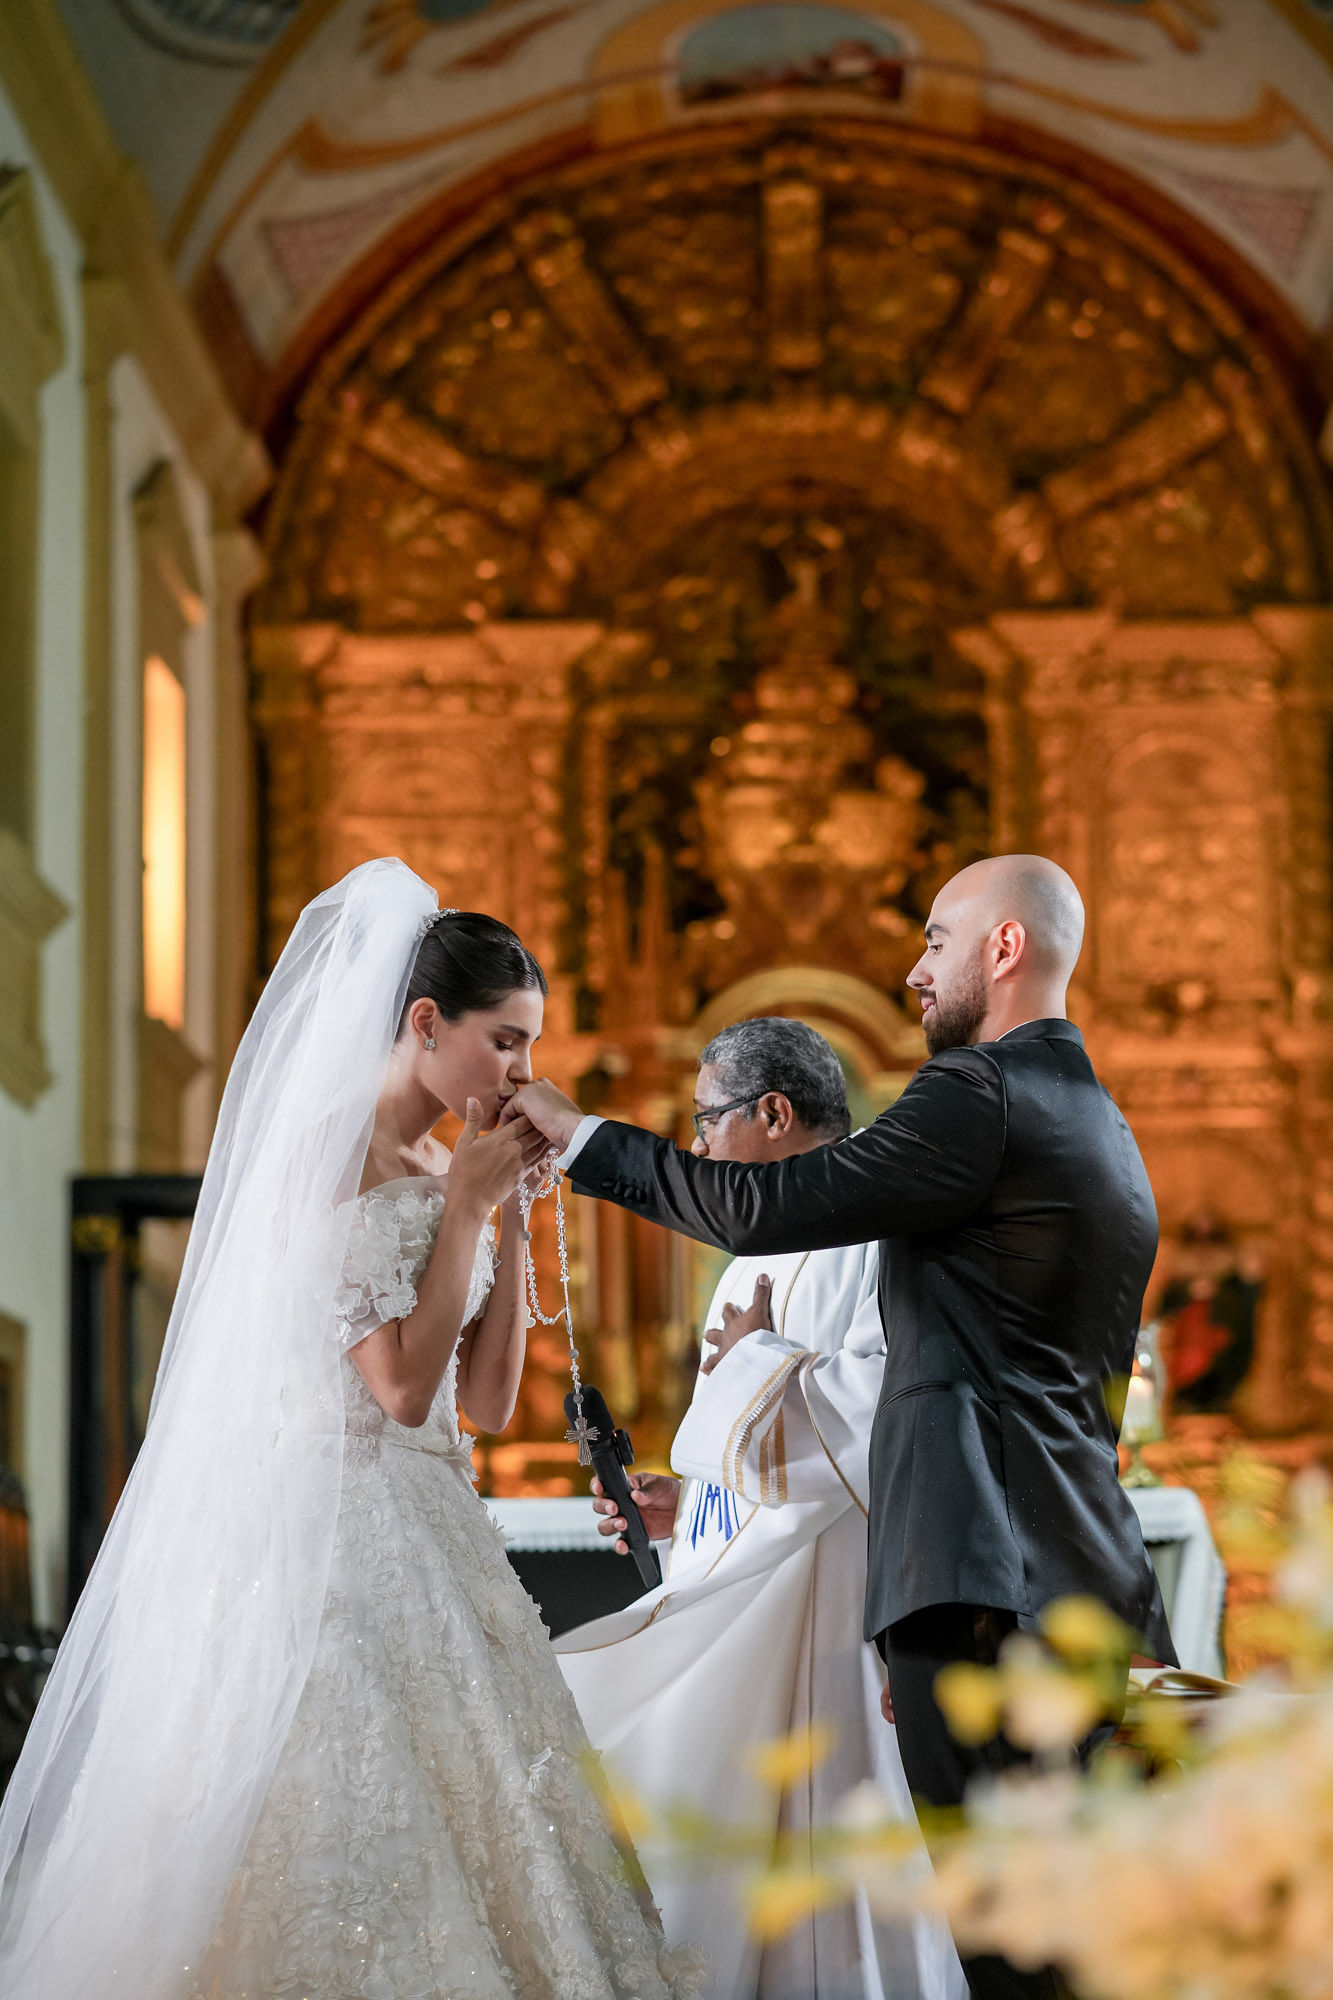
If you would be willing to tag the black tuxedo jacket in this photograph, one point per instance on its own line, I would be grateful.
(1017, 1233)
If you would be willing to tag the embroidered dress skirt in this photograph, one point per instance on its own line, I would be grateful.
(430, 1830)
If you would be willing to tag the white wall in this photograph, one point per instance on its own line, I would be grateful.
(141, 438)
(39, 1148)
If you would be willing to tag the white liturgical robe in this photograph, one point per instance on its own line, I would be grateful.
(755, 1633)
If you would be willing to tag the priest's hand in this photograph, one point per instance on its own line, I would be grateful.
(657, 1496)
(736, 1324)
(548, 1109)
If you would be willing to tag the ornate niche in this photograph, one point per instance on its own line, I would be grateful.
(746, 425)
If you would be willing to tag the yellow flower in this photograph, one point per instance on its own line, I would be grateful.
(1052, 1711)
(780, 1899)
(971, 1700)
(1045, 1706)
(796, 1756)
(1248, 1481)
(622, 1806)
(1081, 1628)
(1250, 1543)
(1161, 1725)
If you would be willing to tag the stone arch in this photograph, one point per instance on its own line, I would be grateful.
(877, 1044)
(674, 477)
(874, 1030)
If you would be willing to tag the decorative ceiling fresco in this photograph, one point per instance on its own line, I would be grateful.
(289, 144)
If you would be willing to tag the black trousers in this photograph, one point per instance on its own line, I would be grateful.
(939, 1769)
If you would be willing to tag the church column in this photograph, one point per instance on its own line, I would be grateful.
(448, 750)
(237, 569)
(105, 335)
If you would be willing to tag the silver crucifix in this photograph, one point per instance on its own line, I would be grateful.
(582, 1434)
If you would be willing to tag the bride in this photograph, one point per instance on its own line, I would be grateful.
(306, 1735)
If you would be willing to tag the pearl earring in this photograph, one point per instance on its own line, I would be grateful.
(430, 1041)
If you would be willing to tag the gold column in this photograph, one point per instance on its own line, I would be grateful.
(1178, 770)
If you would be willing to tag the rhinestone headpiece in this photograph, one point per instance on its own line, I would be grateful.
(429, 923)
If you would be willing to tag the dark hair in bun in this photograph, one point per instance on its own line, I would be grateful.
(468, 963)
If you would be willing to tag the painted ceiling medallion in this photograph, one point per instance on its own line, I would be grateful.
(232, 32)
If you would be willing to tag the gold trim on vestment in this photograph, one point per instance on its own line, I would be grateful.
(772, 1469)
(743, 1430)
(786, 1297)
(773, 1460)
(855, 1496)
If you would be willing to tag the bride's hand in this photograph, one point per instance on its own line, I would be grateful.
(531, 1180)
(487, 1167)
(546, 1107)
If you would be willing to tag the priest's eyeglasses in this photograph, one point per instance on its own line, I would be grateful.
(705, 1117)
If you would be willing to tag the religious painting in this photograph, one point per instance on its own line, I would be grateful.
(789, 47)
(1208, 1309)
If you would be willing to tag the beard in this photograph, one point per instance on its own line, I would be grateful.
(953, 1023)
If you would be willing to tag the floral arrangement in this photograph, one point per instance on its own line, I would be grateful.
(1197, 1859)
(1195, 1862)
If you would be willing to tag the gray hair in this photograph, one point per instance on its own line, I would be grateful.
(772, 1053)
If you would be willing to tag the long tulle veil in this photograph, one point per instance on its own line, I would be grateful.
(178, 1678)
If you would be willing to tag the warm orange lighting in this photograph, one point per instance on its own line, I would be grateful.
(163, 843)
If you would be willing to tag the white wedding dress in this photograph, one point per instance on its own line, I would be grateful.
(430, 1830)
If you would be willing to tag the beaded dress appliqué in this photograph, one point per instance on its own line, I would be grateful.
(430, 1831)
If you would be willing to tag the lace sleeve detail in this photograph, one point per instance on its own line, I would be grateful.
(388, 1248)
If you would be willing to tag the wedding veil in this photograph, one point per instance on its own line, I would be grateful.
(177, 1681)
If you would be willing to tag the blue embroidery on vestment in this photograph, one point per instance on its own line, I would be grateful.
(713, 1508)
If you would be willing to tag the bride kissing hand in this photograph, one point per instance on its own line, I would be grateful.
(488, 1168)
(548, 1109)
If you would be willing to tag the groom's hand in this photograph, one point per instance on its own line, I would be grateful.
(548, 1109)
(736, 1324)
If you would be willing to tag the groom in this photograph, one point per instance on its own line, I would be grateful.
(1017, 1233)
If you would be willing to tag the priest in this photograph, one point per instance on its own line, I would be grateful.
(754, 1635)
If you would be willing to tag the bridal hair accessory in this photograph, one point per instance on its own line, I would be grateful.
(435, 917)
(581, 1433)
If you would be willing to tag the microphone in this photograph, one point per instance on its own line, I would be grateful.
(611, 1451)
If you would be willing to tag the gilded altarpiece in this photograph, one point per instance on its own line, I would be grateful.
(712, 545)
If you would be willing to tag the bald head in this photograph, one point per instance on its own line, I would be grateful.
(1002, 939)
(1026, 889)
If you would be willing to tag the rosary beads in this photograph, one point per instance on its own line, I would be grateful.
(582, 1433)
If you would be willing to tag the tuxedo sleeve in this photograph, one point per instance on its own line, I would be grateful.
(926, 1164)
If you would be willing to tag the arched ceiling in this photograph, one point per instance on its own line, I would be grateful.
(285, 143)
(625, 355)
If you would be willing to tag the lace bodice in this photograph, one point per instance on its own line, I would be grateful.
(392, 1234)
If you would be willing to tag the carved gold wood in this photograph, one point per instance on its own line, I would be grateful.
(708, 549)
(1180, 770)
